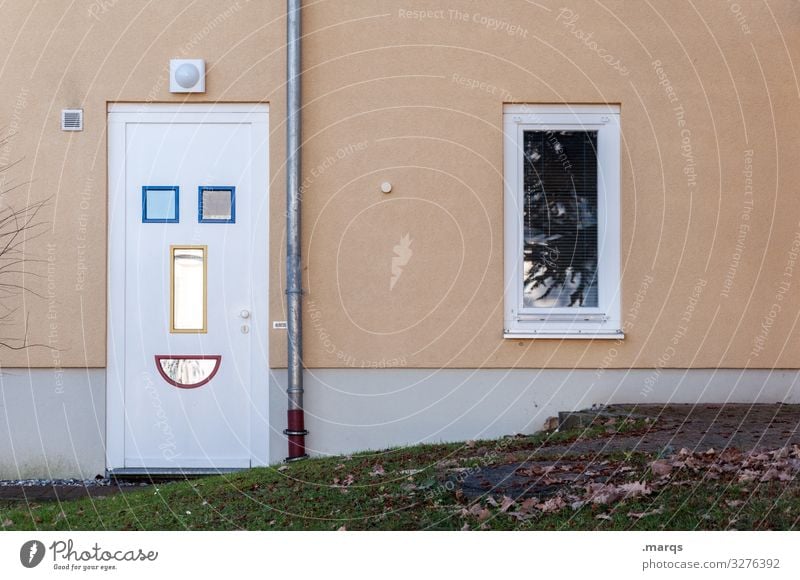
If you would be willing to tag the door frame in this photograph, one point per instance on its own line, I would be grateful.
(118, 116)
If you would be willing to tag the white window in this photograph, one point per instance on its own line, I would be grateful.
(562, 208)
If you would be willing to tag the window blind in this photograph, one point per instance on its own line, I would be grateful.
(560, 219)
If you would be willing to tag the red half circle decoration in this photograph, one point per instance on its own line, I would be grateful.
(188, 371)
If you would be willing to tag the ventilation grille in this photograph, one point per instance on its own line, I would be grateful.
(72, 120)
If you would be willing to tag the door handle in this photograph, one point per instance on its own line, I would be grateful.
(245, 314)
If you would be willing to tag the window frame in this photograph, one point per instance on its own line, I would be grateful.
(176, 201)
(603, 321)
(203, 188)
(173, 249)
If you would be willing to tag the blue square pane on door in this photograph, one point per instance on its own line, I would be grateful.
(160, 204)
(216, 205)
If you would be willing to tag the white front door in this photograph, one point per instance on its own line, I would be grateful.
(188, 189)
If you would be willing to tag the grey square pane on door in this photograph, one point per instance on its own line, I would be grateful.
(216, 204)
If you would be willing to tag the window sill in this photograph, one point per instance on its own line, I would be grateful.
(585, 335)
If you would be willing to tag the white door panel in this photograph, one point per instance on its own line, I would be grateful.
(193, 413)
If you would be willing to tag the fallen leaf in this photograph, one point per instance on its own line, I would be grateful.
(601, 493)
(536, 470)
(603, 517)
(474, 509)
(528, 505)
(378, 470)
(635, 489)
(7, 523)
(770, 475)
(521, 516)
(507, 503)
(681, 483)
(465, 528)
(552, 505)
(748, 475)
(283, 468)
(661, 468)
(342, 529)
(640, 515)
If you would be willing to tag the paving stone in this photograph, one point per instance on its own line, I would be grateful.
(671, 427)
(540, 479)
(39, 493)
(697, 427)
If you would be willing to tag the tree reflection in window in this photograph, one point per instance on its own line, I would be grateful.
(560, 219)
(188, 371)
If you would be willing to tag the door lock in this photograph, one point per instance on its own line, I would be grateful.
(245, 314)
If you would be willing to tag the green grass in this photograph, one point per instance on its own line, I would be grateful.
(329, 493)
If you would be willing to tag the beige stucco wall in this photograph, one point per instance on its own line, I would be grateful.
(391, 96)
(379, 75)
(87, 54)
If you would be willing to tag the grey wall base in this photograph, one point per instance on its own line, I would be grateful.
(356, 409)
(52, 423)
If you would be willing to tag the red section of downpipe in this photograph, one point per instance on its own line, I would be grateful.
(296, 434)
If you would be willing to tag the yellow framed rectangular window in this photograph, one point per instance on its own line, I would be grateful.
(188, 289)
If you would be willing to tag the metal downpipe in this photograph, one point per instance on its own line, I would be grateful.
(295, 431)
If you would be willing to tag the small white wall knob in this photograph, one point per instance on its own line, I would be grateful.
(245, 314)
(386, 187)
